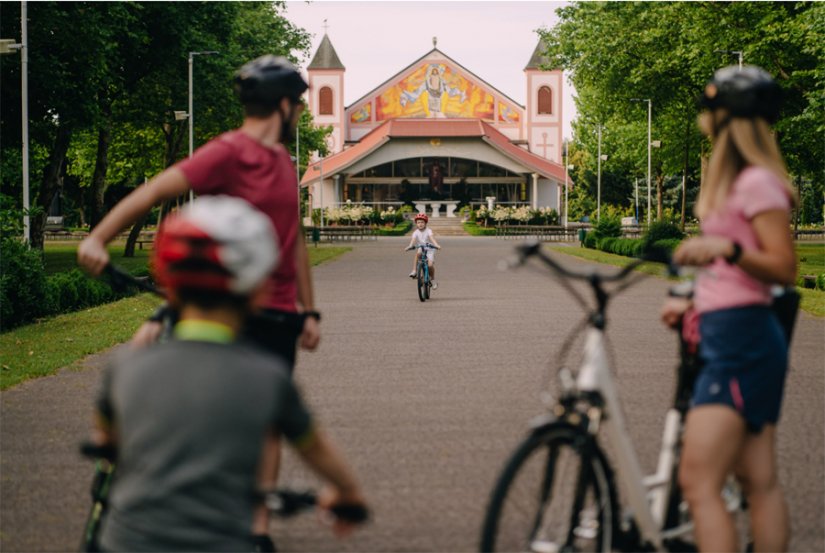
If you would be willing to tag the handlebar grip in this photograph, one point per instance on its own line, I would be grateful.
(95, 451)
(351, 513)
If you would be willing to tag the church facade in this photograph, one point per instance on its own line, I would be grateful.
(435, 131)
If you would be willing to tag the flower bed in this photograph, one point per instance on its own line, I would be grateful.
(516, 215)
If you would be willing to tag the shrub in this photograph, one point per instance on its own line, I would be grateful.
(667, 244)
(23, 289)
(27, 293)
(661, 230)
(590, 240)
(820, 281)
(608, 227)
(606, 243)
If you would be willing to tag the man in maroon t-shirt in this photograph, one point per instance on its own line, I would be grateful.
(251, 163)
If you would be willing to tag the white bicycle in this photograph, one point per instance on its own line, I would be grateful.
(558, 490)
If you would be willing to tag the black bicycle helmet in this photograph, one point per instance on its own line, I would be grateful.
(746, 92)
(265, 80)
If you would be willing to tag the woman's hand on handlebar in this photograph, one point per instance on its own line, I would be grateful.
(673, 309)
(702, 250)
(92, 255)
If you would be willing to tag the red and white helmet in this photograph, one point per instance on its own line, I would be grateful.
(422, 217)
(216, 243)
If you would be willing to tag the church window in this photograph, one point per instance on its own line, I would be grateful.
(545, 101)
(325, 101)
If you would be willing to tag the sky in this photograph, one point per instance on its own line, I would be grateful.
(377, 39)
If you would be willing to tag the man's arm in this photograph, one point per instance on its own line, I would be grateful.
(92, 254)
(311, 334)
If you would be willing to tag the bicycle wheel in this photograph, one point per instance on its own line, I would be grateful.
(422, 285)
(550, 499)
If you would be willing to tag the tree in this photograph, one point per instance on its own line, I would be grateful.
(667, 51)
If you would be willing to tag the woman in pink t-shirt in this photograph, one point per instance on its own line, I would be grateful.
(745, 247)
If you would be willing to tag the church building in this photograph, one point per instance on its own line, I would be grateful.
(435, 133)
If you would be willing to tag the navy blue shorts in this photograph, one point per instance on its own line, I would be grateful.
(745, 360)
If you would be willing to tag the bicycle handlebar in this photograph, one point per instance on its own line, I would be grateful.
(534, 249)
(121, 279)
(286, 503)
(423, 246)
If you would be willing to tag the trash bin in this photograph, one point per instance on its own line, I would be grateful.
(582, 234)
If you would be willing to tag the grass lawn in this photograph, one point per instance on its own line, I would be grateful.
(41, 348)
(813, 301)
(811, 258)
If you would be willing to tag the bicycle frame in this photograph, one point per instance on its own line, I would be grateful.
(423, 265)
(646, 496)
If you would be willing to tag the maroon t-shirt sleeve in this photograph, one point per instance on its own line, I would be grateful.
(206, 169)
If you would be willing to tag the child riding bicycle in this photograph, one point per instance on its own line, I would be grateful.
(193, 420)
(422, 236)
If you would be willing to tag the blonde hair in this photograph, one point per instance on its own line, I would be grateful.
(736, 145)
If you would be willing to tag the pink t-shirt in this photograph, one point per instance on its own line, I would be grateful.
(235, 164)
(721, 285)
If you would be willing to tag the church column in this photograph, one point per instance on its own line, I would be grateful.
(535, 198)
(338, 197)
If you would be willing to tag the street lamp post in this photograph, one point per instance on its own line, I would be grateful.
(649, 120)
(599, 177)
(191, 112)
(566, 168)
(321, 184)
(8, 47)
(738, 53)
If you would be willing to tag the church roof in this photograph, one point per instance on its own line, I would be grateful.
(433, 128)
(538, 59)
(325, 57)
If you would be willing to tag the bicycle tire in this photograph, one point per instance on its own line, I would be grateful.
(421, 285)
(555, 446)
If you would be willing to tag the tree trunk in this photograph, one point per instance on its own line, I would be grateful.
(98, 188)
(49, 184)
(174, 137)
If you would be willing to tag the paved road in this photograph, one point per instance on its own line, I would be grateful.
(427, 400)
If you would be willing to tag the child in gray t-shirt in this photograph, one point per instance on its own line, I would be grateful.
(192, 419)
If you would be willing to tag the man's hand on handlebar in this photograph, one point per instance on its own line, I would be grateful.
(331, 498)
(92, 255)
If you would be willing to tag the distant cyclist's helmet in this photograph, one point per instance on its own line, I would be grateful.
(422, 217)
(217, 244)
(268, 79)
(749, 92)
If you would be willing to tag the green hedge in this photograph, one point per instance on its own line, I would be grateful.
(399, 229)
(606, 237)
(476, 230)
(27, 293)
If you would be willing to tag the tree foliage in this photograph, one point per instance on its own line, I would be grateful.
(105, 80)
(666, 52)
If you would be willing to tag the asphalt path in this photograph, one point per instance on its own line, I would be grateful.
(427, 400)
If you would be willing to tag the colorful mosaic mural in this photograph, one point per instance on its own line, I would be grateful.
(435, 90)
(362, 114)
(507, 113)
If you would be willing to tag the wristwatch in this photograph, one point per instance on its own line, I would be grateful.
(737, 253)
(314, 314)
